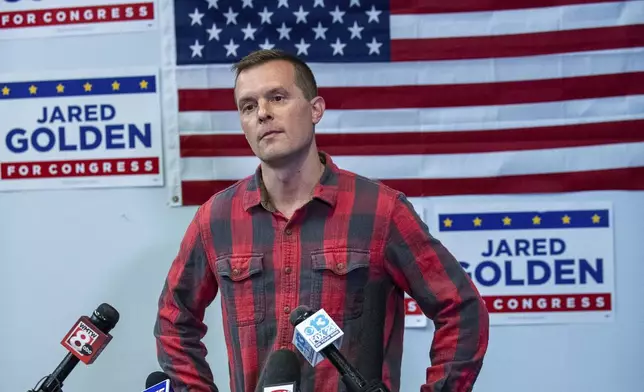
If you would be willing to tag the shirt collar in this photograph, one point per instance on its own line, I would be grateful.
(325, 190)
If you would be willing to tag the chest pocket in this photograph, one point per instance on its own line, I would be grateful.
(338, 281)
(241, 283)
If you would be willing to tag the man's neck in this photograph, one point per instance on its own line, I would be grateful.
(291, 186)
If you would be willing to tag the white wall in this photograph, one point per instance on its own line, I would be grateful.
(54, 269)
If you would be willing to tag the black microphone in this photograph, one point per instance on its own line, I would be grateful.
(85, 341)
(158, 382)
(281, 373)
(155, 378)
(354, 381)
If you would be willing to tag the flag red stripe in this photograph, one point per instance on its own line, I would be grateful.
(515, 45)
(438, 6)
(397, 143)
(434, 96)
(197, 192)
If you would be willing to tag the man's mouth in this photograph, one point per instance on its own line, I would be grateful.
(271, 132)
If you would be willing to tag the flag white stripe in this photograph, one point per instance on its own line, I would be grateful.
(442, 72)
(536, 20)
(442, 119)
(445, 166)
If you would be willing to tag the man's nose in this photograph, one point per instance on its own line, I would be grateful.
(264, 111)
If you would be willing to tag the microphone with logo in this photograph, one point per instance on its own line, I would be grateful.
(281, 373)
(158, 382)
(85, 341)
(318, 337)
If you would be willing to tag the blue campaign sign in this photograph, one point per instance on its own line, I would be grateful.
(534, 262)
(80, 128)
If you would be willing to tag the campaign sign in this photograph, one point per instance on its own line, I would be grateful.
(414, 316)
(80, 130)
(45, 18)
(535, 262)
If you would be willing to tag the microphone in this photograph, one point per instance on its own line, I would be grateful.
(85, 341)
(157, 382)
(317, 337)
(281, 373)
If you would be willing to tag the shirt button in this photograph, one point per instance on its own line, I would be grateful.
(289, 232)
(287, 310)
(235, 272)
(287, 270)
(340, 266)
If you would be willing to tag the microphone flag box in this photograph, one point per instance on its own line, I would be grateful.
(290, 387)
(315, 333)
(85, 340)
(163, 386)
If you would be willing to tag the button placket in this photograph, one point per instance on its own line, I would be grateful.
(290, 256)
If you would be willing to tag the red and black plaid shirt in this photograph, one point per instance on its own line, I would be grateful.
(352, 250)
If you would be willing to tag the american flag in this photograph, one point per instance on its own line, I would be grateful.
(432, 97)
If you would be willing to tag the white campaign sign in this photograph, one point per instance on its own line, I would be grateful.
(46, 18)
(535, 262)
(80, 129)
(414, 316)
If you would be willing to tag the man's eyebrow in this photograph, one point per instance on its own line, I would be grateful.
(281, 90)
(275, 90)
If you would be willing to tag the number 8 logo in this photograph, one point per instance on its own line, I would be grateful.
(79, 339)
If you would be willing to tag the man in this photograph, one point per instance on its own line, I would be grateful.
(301, 231)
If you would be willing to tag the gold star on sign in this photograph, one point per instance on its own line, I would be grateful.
(536, 220)
(33, 89)
(448, 222)
(507, 221)
(565, 219)
(60, 88)
(116, 86)
(6, 90)
(477, 221)
(596, 218)
(87, 86)
(143, 84)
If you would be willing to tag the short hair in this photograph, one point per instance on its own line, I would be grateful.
(304, 77)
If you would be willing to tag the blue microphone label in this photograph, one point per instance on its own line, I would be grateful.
(163, 386)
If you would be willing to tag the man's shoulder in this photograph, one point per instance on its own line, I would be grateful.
(365, 186)
(225, 196)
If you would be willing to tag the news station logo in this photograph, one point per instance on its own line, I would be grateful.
(85, 341)
(321, 329)
(163, 386)
(280, 388)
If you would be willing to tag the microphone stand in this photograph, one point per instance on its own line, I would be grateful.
(375, 386)
(54, 382)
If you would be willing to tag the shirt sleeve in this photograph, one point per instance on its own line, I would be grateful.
(421, 266)
(179, 329)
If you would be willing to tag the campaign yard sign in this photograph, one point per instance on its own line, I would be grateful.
(46, 18)
(80, 129)
(414, 316)
(535, 262)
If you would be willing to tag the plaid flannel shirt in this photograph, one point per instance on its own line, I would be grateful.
(353, 250)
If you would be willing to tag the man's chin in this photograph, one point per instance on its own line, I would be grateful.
(277, 158)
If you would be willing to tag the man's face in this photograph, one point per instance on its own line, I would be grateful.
(276, 117)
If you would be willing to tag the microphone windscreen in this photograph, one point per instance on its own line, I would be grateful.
(154, 378)
(299, 314)
(282, 367)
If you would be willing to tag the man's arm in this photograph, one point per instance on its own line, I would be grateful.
(420, 265)
(188, 290)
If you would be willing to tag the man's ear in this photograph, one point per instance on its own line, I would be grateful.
(318, 106)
